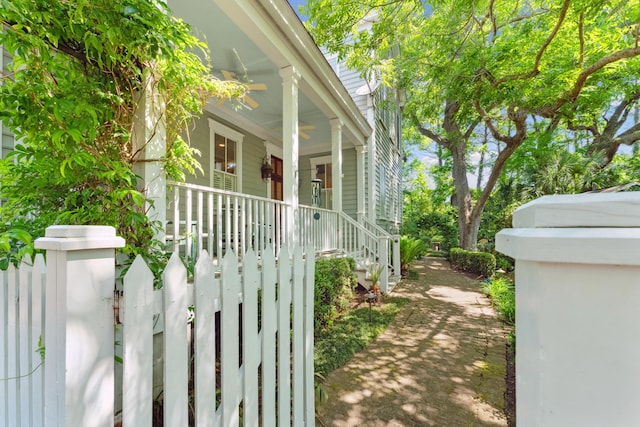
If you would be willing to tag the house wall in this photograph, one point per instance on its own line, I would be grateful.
(253, 151)
(350, 183)
(304, 190)
(387, 174)
(388, 167)
(5, 134)
(351, 80)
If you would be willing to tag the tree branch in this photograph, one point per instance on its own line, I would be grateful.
(536, 64)
(438, 139)
(581, 36)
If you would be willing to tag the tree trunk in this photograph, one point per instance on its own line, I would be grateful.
(467, 225)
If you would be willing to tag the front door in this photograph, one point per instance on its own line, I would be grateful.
(276, 179)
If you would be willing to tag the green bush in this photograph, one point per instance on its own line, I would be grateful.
(481, 263)
(503, 296)
(504, 262)
(335, 283)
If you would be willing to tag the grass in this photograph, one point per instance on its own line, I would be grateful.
(502, 292)
(352, 332)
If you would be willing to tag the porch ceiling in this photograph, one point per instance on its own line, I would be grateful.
(245, 39)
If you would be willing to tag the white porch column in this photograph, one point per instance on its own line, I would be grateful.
(150, 143)
(336, 164)
(79, 375)
(360, 180)
(371, 208)
(290, 148)
(371, 150)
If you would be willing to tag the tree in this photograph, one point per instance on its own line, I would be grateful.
(493, 64)
(77, 73)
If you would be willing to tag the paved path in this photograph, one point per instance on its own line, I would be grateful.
(441, 363)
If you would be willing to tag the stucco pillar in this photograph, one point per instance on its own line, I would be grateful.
(577, 317)
(79, 338)
(149, 140)
(290, 149)
(336, 163)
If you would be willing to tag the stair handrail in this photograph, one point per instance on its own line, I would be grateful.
(373, 227)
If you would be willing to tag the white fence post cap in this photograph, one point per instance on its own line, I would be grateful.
(580, 210)
(79, 237)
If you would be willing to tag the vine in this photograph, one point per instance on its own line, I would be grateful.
(70, 97)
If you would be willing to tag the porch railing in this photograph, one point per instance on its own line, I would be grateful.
(202, 217)
(393, 258)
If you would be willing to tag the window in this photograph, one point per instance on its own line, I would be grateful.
(321, 166)
(226, 154)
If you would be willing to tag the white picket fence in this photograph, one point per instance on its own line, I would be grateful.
(22, 323)
(261, 374)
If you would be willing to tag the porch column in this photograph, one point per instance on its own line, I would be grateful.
(290, 79)
(371, 150)
(371, 208)
(149, 139)
(336, 164)
(360, 180)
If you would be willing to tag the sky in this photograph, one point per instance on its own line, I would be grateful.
(296, 4)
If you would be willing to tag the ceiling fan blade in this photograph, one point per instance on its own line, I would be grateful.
(220, 101)
(228, 75)
(250, 101)
(304, 135)
(307, 127)
(257, 86)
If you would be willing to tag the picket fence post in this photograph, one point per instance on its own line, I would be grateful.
(79, 375)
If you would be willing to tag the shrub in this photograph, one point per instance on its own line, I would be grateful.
(334, 287)
(410, 249)
(481, 263)
(504, 262)
(503, 296)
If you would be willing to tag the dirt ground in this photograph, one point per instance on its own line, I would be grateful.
(440, 363)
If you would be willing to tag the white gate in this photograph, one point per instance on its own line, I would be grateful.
(258, 371)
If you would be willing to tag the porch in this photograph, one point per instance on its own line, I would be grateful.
(219, 221)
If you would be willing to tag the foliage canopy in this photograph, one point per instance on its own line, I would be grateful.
(512, 70)
(78, 71)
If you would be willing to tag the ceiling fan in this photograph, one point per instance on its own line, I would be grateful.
(301, 131)
(228, 75)
(303, 134)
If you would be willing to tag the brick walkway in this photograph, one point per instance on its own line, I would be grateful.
(441, 363)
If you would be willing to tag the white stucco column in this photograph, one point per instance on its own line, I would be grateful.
(577, 317)
(150, 143)
(360, 180)
(336, 163)
(290, 149)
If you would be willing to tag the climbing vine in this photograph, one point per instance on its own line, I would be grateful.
(70, 96)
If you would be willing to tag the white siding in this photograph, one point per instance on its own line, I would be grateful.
(349, 183)
(6, 135)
